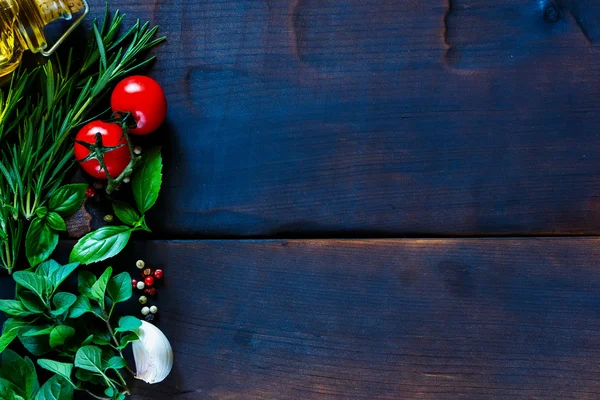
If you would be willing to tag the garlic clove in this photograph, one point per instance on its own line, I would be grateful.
(152, 353)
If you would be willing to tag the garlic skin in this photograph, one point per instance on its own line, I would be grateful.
(152, 353)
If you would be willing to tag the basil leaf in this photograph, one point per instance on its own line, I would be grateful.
(35, 340)
(101, 339)
(81, 306)
(33, 282)
(55, 272)
(126, 214)
(68, 199)
(20, 372)
(31, 302)
(9, 390)
(37, 331)
(41, 212)
(87, 340)
(115, 363)
(119, 287)
(89, 358)
(62, 301)
(55, 222)
(55, 388)
(101, 244)
(98, 289)
(128, 323)
(60, 334)
(40, 242)
(63, 369)
(87, 376)
(126, 339)
(15, 308)
(85, 281)
(146, 179)
(10, 331)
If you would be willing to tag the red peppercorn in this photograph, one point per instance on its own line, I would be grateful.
(158, 274)
(134, 283)
(90, 192)
(149, 281)
(150, 291)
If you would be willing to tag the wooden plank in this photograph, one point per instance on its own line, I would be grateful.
(305, 117)
(378, 319)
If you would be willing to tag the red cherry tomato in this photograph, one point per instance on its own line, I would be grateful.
(112, 135)
(144, 99)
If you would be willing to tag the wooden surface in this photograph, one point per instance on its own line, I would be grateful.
(304, 118)
(378, 319)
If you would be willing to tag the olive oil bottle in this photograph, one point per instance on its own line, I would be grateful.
(22, 24)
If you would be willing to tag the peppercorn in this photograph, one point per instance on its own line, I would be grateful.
(147, 272)
(158, 274)
(140, 264)
(137, 150)
(153, 309)
(90, 192)
(145, 311)
(140, 285)
(149, 281)
(108, 218)
(134, 283)
(149, 317)
(98, 185)
(143, 299)
(126, 179)
(150, 291)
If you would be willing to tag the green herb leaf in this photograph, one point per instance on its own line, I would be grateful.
(10, 331)
(68, 199)
(63, 369)
(109, 391)
(128, 323)
(101, 338)
(41, 212)
(147, 179)
(101, 244)
(37, 330)
(98, 289)
(20, 372)
(15, 308)
(116, 363)
(119, 287)
(55, 221)
(126, 339)
(40, 241)
(126, 214)
(35, 340)
(33, 282)
(30, 301)
(9, 391)
(55, 388)
(89, 358)
(60, 334)
(55, 272)
(85, 281)
(62, 301)
(81, 306)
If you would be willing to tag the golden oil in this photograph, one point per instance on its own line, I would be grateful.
(22, 24)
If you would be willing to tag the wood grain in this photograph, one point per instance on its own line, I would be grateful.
(378, 319)
(380, 117)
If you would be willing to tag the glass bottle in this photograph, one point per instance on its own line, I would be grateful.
(22, 25)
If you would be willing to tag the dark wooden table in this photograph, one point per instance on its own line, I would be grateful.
(443, 125)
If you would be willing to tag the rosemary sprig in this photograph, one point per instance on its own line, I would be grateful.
(41, 108)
